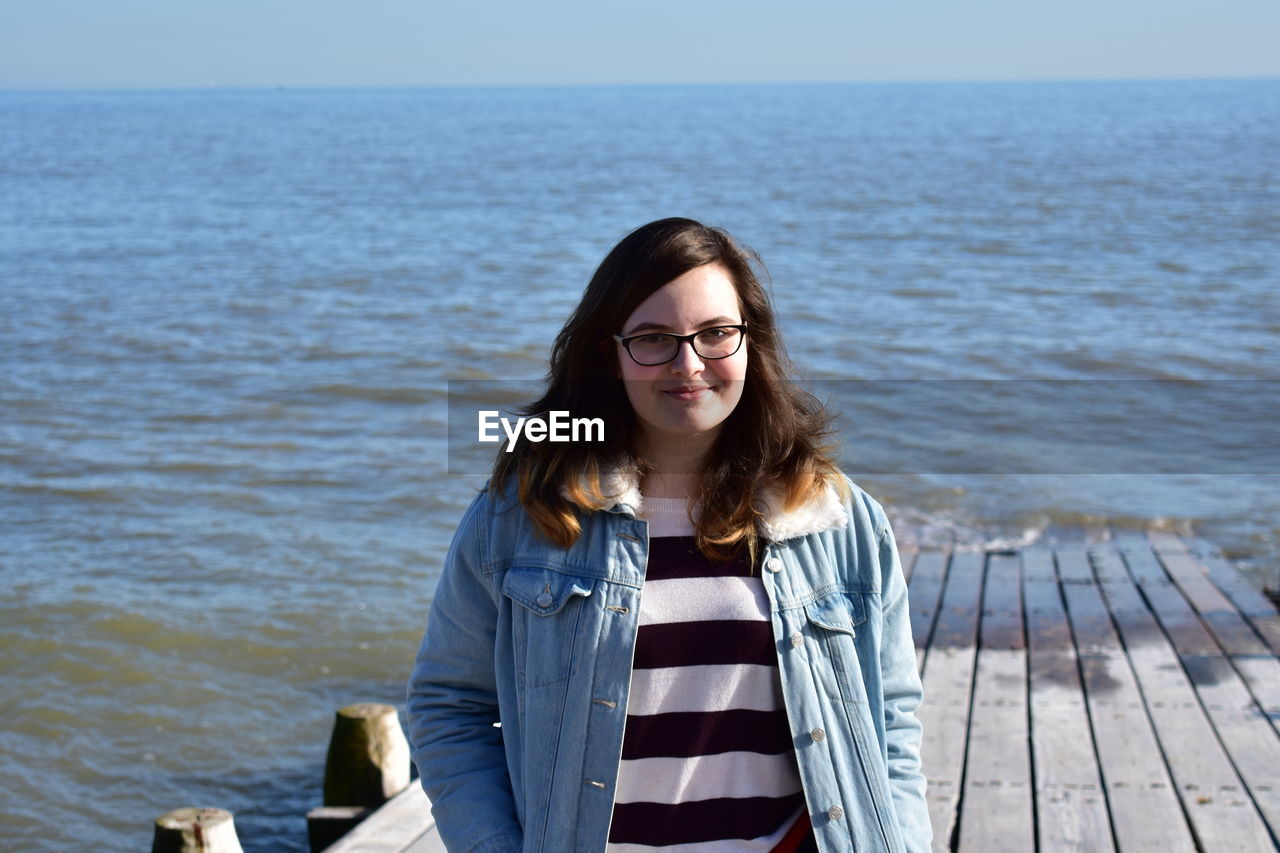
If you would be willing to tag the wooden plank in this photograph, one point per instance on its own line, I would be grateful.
(1191, 577)
(948, 687)
(1258, 669)
(1211, 791)
(397, 823)
(924, 593)
(1262, 674)
(1248, 736)
(1247, 597)
(1251, 657)
(1071, 807)
(428, 842)
(1073, 564)
(1180, 621)
(996, 811)
(1250, 739)
(1145, 810)
(1225, 629)
(1251, 603)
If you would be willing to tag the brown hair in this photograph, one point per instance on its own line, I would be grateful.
(773, 441)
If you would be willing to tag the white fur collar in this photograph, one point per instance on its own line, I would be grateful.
(621, 488)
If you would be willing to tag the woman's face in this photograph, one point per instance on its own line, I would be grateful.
(688, 395)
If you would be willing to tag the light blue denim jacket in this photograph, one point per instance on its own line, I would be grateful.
(541, 638)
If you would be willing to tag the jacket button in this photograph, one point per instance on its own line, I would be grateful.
(797, 640)
(835, 813)
(773, 564)
(818, 735)
(545, 600)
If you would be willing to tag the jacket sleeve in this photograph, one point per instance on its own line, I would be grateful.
(902, 695)
(453, 705)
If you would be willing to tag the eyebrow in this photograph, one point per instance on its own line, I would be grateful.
(705, 324)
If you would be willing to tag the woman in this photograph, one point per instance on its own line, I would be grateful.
(694, 633)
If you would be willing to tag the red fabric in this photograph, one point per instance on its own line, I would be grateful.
(795, 836)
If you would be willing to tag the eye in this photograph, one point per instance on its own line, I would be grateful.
(650, 340)
(717, 334)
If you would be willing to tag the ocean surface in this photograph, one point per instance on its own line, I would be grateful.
(230, 323)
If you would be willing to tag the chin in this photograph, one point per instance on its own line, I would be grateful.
(695, 426)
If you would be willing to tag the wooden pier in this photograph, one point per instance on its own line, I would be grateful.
(1119, 695)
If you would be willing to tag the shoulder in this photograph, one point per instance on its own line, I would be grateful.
(864, 548)
(840, 507)
(492, 503)
(865, 512)
(500, 531)
(494, 512)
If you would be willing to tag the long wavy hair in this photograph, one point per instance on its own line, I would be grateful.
(774, 442)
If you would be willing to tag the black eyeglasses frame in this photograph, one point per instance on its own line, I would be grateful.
(680, 339)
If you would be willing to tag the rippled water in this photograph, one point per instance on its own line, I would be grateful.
(228, 321)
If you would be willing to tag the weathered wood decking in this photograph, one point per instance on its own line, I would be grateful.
(1118, 695)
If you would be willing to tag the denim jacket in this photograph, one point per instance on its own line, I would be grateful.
(540, 638)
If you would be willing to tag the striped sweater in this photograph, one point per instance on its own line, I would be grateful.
(707, 759)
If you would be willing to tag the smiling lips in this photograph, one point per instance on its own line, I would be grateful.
(688, 393)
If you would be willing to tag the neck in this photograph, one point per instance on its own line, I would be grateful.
(674, 462)
(669, 485)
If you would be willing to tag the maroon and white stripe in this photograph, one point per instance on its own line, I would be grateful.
(707, 758)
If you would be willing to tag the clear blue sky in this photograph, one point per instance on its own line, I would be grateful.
(172, 43)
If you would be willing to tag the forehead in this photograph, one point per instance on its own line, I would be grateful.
(701, 296)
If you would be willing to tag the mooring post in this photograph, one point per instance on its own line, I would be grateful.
(192, 830)
(368, 761)
(368, 764)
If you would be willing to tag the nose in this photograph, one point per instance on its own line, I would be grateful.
(686, 362)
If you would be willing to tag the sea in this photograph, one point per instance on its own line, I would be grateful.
(243, 332)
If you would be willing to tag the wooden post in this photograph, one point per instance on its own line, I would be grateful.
(191, 830)
(368, 761)
(326, 824)
(368, 764)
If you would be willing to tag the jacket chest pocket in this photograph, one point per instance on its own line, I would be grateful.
(546, 612)
(833, 622)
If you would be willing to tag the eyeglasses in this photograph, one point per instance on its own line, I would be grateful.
(660, 347)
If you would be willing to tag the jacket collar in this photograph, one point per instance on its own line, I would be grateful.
(621, 488)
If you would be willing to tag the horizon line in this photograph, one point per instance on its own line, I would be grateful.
(260, 87)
